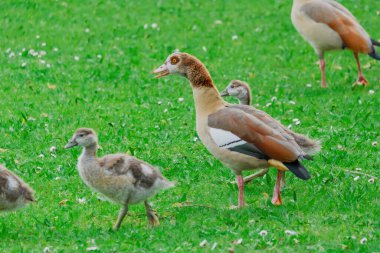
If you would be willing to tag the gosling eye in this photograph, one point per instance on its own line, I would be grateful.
(174, 60)
(81, 135)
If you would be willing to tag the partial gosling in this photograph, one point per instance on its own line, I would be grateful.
(120, 177)
(14, 193)
(238, 89)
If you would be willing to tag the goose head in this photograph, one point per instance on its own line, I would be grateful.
(238, 89)
(84, 137)
(187, 66)
(174, 64)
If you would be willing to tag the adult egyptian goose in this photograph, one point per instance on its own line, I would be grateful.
(240, 136)
(120, 177)
(327, 25)
(14, 193)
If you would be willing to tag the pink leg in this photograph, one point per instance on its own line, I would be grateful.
(240, 183)
(322, 67)
(276, 199)
(361, 78)
(283, 183)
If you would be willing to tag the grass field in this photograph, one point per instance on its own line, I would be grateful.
(96, 73)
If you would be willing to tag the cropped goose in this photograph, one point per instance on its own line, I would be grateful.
(14, 193)
(328, 25)
(120, 177)
(240, 136)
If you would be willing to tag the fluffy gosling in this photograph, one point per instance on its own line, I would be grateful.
(14, 193)
(120, 177)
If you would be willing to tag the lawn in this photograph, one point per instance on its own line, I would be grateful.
(95, 71)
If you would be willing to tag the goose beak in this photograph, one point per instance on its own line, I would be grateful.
(71, 143)
(161, 71)
(224, 93)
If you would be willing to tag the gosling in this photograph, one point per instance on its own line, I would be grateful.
(14, 193)
(122, 178)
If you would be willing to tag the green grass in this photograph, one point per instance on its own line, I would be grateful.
(116, 95)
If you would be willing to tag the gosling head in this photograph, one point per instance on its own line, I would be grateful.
(84, 137)
(238, 89)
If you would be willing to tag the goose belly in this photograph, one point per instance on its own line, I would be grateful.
(319, 35)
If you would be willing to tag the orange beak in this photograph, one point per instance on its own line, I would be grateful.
(161, 71)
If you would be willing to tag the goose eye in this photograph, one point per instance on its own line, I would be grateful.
(174, 60)
(81, 135)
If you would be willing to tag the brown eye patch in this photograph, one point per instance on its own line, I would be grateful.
(174, 60)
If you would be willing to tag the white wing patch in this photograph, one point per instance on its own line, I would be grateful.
(12, 183)
(225, 139)
(146, 170)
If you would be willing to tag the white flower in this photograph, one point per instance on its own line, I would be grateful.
(55, 49)
(43, 44)
(263, 233)
(214, 246)
(268, 104)
(42, 62)
(37, 36)
(204, 49)
(258, 29)
(234, 37)
(180, 99)
(53, 149)
(374, 143)
(296, 122)
(42, 53)
(371, 180)
(356, 178)
(363, 240)
(92, 248)
(309, 85)
(195, 138)
(358, 169)
(159, 102)
(41, 156)
(203, 243)
(290, 126)
(154, 25)
(48, 65)
(11, 55)
(218, 22)
(238, 241)
(290, 232)
(146, 26)
(273, 99)
(99, 56)
(166, 110)
(76, 58)
(23, 65)
(87, 30)
(371, 92)
(8, 50)
(292, 102)
(46, 250)
(81, 200)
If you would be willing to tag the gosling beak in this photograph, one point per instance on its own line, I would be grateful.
(224, 93)
(71, 143)
(161, 71)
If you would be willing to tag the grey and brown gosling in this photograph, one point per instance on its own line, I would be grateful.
(14, 192)
(122, 178)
